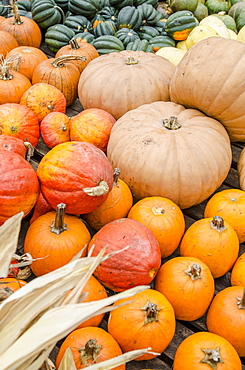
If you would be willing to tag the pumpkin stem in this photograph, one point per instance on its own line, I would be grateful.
(7, 64)
(212, 357)
(74, 44)
(89, 352)
(131, 60)
(151, 312)
(58, 226)
(98, 190)
(194, 271)
(30, 150)
(217, 223)
(17, 19)
(60, 61)
(171, 123)
(116, 174)
(156, 210)
(241, 301)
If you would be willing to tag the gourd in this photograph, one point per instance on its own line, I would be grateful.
(105, 28)
(107, 44)
(179, 24)
(57, 36)
(140, 45)
(129, 17)
(55, 129)
(46, 13)
(78, 23)
(217, 24)
(86, 8)
(199, 33)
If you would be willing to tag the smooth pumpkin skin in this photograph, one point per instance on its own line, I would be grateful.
(7, 42)
(69, 168)
(13, 144)
(78, 338)
(19, 187)
(231, 319)
(241, 170)
(127, 85)
(20, 122)
(189, 298)
(55, 129)
(139, 143)
(136, 265)
(199, 80)
(238, 271)
(211, 242)
(132, 328)
(230, 205)
(191, 349)
(12, 88)
(12, 283)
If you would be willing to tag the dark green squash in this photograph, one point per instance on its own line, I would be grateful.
(57, 36)
(228, 21)
(149, 14)
(3, 9)
(147, 32)
(119, 4)
(154, 3)
(216, 6)
(180, 24)
(105, 28)
(87, 36)
(160, 26)
(78, 23)
(24, 9)
(177, 5)
(141, 45)
(127, 35)
(108, 44)
(46, 13)
(129, 17)
(236, 9)
(87, 8)
(108, 13)
(159, 42)
(63, 4)
(240, 21)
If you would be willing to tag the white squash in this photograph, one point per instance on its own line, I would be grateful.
(199, 33)
(217, 24)
(241, 35)
(181, 45)
(174, 55)
(233, 35)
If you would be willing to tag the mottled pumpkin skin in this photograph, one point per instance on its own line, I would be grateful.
(136, 265)
(41, 207)
(191, 349)
(189, 166)
(55, 129)
(13, 144)
(70, 167)
(19, 187)
(208, 78)
(19, 121)
(109, 83)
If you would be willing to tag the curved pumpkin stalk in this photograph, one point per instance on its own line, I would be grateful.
(101, 189)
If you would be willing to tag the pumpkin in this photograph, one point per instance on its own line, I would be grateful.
(25, 30)
(229, 306)
(237, 272)
(205, 350)
(77, 46)
(41, 207)
(19, 187)
(12, 143)
(117, 204)
(44, 98)
(10, 285)
(30, 57)
(139, 78)
(136, 265)
(60, 73)
(170, 137)
(12, 84)
(55, 129)
(19, 121)
(53, 239)
(211, 240)
(198, 84)
(95, 291)
(145, 320)
(93, 126)
(230, 205)
(78, 172)
(89, 346)
(164, 218)
(188, 284)
(7, 42)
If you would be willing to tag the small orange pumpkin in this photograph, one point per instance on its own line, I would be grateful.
(211, 240)
(89, 346)
(238, 271)
(10, 285)
(205, 350)
(226, 316)
(147, 320)
(55, 129)
(55, 238)
(164, 218)
(7, 42)
(188, 284)
(230, 205)
(14, 144)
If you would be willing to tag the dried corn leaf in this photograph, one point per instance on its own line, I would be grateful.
(9, 234)
(67, 362)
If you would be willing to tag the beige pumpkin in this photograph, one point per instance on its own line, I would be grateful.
(174, 55)
(241, 169)
(163, 149)
(120, 81)
(210, 78)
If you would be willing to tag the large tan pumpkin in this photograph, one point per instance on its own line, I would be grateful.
(210, 77)
(120, 81)
(163, 149)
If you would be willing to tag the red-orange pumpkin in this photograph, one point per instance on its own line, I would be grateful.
(10, 285)
(14, 144)
(136, 265)
(55, 129)
(41, 207)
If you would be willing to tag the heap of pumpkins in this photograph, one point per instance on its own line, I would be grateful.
(152, 140)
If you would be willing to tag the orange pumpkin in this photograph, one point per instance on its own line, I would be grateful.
(10, 285)
(93, 126)
(89, 346)
(13, 144)
(7, 42)
(226, 316)
(44, 98)
(30, 57)
(79, 47)
(188, 284)
(59, 72)
(41, 207)
(55, 129)
(238, 271)
(117, 204)
(147, 320)
(230, 205)
(211, 240)
(19, 121)
(206, 351)
(164, 218)
(55, 238)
